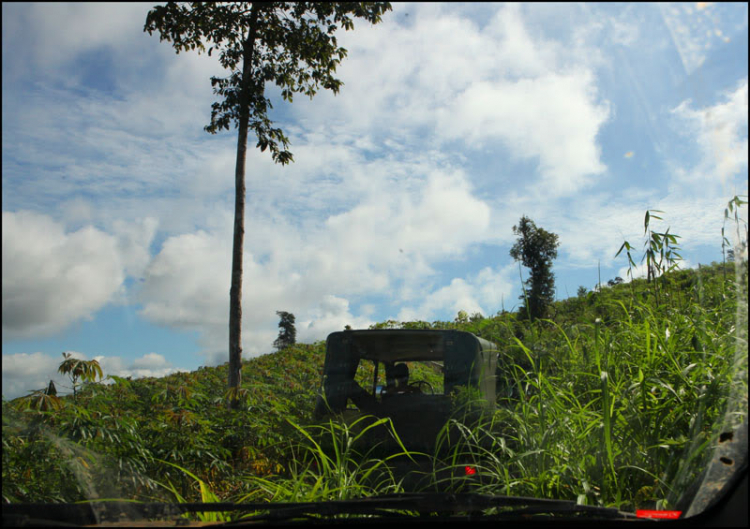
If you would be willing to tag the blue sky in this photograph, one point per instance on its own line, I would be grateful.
(454, 121)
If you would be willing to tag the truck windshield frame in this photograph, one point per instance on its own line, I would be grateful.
(466, 360)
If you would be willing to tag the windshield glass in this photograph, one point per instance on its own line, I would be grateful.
(299, 252)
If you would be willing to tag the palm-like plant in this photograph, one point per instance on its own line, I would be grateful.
(75, 368)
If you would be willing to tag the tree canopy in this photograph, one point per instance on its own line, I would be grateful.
(535, 249)
(287, 334)
(290, 44)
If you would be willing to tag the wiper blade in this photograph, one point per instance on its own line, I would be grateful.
(404, 505)
(441, 504)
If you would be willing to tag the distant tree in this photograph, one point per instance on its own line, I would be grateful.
(582, 291)
(388, 324)
(290, 44)
(41, 400)
(477, 316)
(535, 249)
(616, 281)
(287, 334)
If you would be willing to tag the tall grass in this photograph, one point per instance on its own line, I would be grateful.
(621, 429)
(333, 461)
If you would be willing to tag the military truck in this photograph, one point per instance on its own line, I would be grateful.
(412, 377)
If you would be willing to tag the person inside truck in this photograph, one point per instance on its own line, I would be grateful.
(398, 380)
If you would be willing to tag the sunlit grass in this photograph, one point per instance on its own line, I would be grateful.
(615, 418)
(333, 463)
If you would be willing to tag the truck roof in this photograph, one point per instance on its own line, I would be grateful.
(393, 345)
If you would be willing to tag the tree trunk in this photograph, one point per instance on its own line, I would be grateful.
(234, 378)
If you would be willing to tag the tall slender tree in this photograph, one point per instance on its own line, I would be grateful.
(291, 44)
(536, 248)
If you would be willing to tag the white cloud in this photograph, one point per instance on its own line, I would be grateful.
(484, 292)
(332, 314)
(150, 361)
(52, 278)
(25, 372)
(553, 117)
(133, 241)
(439, 218)
(85, 27)
(384, 246)
(148, 365)
(624, 32)
(721, 134)
(492, 88)
(58, 33)
(183, 282)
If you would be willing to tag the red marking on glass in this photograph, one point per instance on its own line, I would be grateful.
(668, 515)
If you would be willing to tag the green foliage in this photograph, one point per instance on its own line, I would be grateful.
(206, 496)
(536, 248)
(659, 253)
(333, 462)
(85, 370)
(42, 401)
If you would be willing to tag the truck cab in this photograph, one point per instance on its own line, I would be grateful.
(412, 377)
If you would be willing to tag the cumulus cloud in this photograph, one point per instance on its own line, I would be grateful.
(596, 230)
(24, 372)
(332, 314)
(386, 245)
(484, 292)
(439, 218)
(552, 117)
(189, 272)
(495, 86)
(720, 131)
(148, 365)
(133, 241)
(52, 278)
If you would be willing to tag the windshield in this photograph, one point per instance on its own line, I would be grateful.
(331, 252)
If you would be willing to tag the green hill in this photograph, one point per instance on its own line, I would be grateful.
(604, 403)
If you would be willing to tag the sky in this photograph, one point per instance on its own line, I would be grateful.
(453, 121)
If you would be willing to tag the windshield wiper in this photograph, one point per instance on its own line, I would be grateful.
(401, 506)
(406, 505)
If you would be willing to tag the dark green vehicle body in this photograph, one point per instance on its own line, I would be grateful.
(458, 360)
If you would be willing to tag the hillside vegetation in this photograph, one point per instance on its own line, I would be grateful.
(613, 401)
